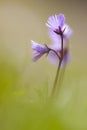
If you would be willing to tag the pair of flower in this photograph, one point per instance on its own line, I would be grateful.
(59, 33)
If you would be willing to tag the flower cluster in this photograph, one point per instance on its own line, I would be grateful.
(59, 33)
(57, 52)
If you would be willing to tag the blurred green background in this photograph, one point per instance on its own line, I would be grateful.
(25, 86)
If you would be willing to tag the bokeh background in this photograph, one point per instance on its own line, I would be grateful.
(25, 86)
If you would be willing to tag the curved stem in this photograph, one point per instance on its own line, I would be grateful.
(55, 53)
(49, 49)
(59, 65)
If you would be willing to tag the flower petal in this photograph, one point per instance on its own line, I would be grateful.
(52, 57)
(36, 46)
(38, 50)
(56, 39)
(61, 19)
(68, 32)
(54, 22)
(35, 58)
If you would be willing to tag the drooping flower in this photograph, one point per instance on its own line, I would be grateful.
(38, 50)
(53, 53)
(57, 27)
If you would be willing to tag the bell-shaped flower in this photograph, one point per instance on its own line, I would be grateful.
(38, 50)
(52, 51)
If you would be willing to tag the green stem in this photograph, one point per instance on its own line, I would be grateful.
(56, 78)
(58, 69)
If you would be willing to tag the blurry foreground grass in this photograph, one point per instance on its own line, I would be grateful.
(25, 103)
(25, 86)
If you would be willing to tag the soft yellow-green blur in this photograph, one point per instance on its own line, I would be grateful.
(25, 86)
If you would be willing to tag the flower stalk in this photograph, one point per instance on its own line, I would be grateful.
(57, 52)
(59, 66)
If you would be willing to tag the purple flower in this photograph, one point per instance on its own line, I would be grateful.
(55, 52)
(56, 25)
(52, 51)
(53, 58)
(58, 29)
(54, 22)
(38, 50)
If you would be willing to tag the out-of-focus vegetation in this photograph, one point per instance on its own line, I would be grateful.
(25, 86)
